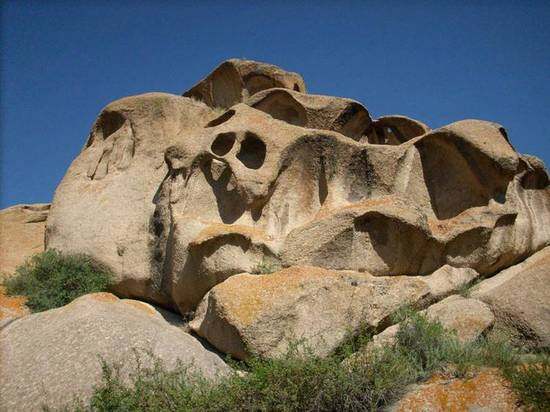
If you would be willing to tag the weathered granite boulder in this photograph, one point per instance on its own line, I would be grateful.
(177, 197)
(264, 314)
(21, 234)
(48, 358)
(520, 298)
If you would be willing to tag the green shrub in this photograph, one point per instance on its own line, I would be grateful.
(301, 381)
(52, 279)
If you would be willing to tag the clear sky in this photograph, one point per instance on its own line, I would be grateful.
(440, 61)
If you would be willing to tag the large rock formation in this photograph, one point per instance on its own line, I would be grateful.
(21, 234)
(48, 358)
(177, 195)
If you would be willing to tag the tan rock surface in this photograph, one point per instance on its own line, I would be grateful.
(21, 234)
(486, 391)
(448, 280)
(520, 297)
(50, 357)
(263, 314)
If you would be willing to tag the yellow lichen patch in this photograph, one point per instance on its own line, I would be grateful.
(246, 296)
(141, 306)
(487, 389)
(12, 306)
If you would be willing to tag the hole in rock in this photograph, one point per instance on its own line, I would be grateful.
(258, 82)
(296, 87)
(282, 106)
(223, 143)
(110, 122)
(222, 119)
(502, 131)
(323, 187)
(252, 152)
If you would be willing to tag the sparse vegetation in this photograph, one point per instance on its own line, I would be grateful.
(300, 381)
(51, 279)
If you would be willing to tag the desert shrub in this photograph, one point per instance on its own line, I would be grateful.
(51, 279)
(532, 382)
(302, 381)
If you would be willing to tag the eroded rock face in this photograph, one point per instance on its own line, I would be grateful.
(21, 234)
(48, 358)
(177, 198)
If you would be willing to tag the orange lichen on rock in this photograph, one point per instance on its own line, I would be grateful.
(486, 390)
(247, 298)
(12, 306)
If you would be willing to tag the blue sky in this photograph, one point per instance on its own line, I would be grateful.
(440, 61)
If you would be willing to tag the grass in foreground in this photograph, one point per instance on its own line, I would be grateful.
(298, 382)
(51, 279)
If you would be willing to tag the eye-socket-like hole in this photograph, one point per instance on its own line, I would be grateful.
(296, 87)
(222, 119)
(252, 151)
(502, 131)
(223, 143)
(110, 122)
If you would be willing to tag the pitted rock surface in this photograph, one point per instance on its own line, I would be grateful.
(177, 196)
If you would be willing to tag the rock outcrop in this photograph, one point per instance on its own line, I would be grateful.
(21, 234)
(48, 358)
(178, 194)
(269, 216)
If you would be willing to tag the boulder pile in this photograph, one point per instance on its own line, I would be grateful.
(266, 215)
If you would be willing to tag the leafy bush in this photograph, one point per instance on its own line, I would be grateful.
(52, 279)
